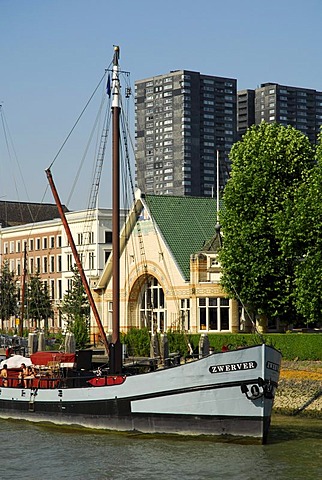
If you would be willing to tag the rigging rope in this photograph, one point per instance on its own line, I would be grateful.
(77, 121)
(10, 147)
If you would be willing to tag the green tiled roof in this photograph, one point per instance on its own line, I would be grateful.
(186, 223)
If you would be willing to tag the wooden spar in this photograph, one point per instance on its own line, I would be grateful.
(77, 259)
(116, 226)
(115, 346)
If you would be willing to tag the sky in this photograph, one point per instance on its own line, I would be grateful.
(54, 52)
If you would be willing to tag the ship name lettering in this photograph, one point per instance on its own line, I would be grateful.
(232, 367)
(272, 366)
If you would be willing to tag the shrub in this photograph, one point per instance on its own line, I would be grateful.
(303, 346)
(137, 341)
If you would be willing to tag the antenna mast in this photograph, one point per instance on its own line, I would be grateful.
(217, 199)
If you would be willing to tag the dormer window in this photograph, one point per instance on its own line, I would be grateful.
(213, 261)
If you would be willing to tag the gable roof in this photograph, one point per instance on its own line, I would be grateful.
(19, 213)
(186, 223)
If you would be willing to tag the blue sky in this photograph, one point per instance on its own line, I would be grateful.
(53, 53)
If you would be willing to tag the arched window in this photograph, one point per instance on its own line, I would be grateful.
(152, 306)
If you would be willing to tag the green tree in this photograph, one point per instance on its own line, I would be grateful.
(38, 302)
(268, 167)
(305, 236)
(75, 306)
(8, 293)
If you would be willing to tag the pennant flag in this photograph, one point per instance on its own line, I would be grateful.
(108, 86)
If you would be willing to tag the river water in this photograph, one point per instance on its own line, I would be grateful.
(36, 452)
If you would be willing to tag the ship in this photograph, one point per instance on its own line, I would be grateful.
(227, 393)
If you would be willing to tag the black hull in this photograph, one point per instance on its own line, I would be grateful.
(109, 415)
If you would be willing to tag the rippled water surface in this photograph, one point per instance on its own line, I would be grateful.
(31, 451)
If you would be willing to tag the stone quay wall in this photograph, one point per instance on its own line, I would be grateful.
(300, 389)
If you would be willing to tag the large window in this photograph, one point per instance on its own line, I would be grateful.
(91, 260)
(59, 263)
(213, 313)
(60, 289)
(52, 263)
(38, 265)
(69, 262)
(185, 314)
(45, 265)
(152, 306)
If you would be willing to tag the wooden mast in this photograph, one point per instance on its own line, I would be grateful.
(115, 345)
(77, 259)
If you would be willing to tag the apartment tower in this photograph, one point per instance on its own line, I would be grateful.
(182, 119)
(274, 103)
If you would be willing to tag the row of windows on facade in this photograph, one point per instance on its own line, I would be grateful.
(224, 122)
(299, 110)
(168, 153)
(47, 265)
(34, 244)
(158, 168)
(221, 130)
(44, 243)
(161, 108)
(186, 152)
(185, 80)
(54, 287)
(299, 122)
(167, 138)
(187, 96)
(206, 188)
(269, 103)
(159, 104)
(205, 135)
(213, 312)
(150, 88)
(297, 96)
(300, 94)
(299, 103)
(284, 108)
(158, 152)
(206, 154)
(218, 119)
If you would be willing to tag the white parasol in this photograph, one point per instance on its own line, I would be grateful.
(15, 361)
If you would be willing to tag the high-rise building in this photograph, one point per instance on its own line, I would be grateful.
(271, 102)
(245, 111)
(182, 119)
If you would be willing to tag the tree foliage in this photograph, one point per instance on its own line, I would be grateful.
(75, 306)
(8, 293)
(38, 303)
(305, 236)
(268, 167)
